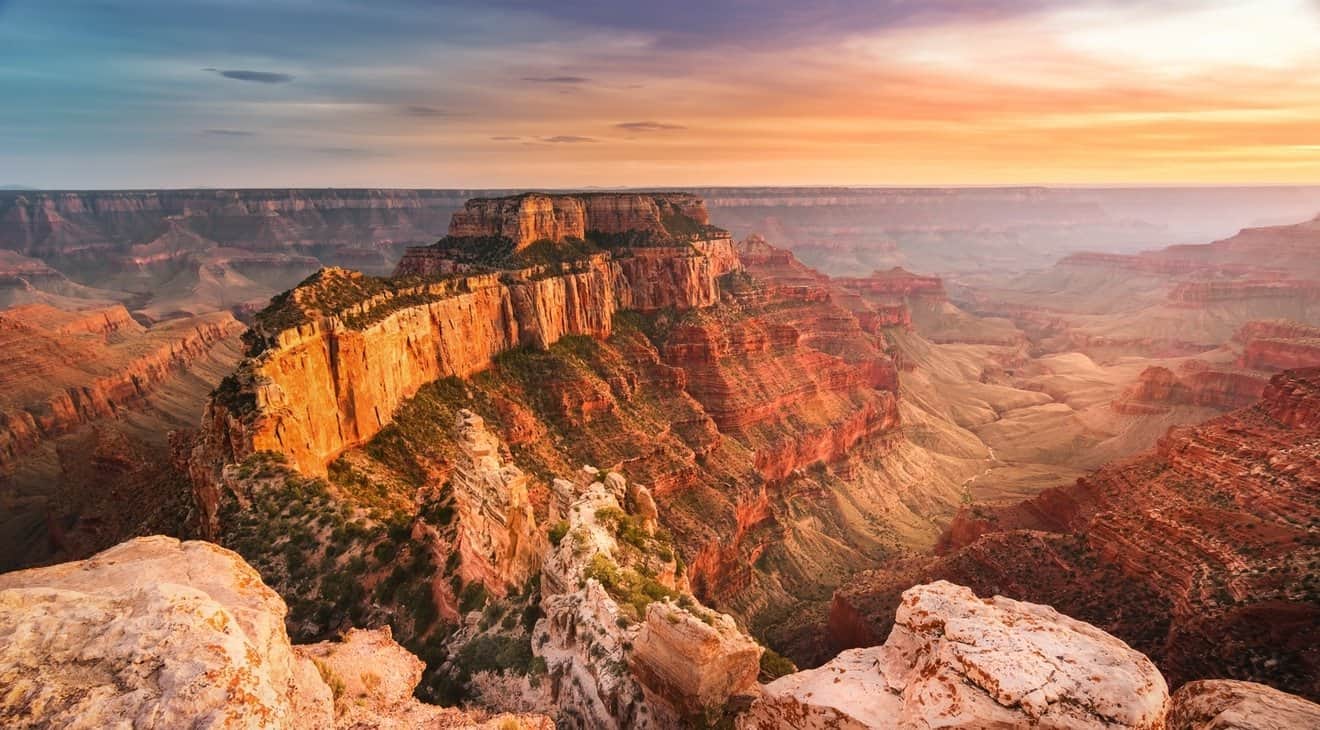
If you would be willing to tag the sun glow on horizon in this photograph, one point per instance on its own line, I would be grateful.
(394, 94)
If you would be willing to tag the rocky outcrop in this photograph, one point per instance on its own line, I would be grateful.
(954, 660)
(66, 369)
(1158, 387)
(1188, 552)
(1225, 704)
(531, 217)
(333, 359)
(896, 283)
(499, 542)
(696, 660)
(625, 643)
(157, 632)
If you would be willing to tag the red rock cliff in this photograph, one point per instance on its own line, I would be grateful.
(336, 356)
(1200, 553)
(532, 217)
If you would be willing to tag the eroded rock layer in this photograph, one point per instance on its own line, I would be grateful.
(1200, 553)
(334, 358)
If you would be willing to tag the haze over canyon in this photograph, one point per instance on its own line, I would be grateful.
(701, 365)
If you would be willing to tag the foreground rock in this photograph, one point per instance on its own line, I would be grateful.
(161, 633)
(1225, 704)
(956, 661)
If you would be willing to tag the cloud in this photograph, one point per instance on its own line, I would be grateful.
(227, 133)
(567, 139)
(350, 152)
(504, 138)
(260, 77)
(421, 110)
(557, 79)
(649, 126)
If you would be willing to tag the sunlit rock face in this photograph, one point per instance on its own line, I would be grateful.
(532, 217)
(1225, 704)
(499, 541)
(954, 660)
(332, 359)
(162, 633)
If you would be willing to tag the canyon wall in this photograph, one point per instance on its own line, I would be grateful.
(66, 369)
(532, 217)
(338, 354)
(1196, 553)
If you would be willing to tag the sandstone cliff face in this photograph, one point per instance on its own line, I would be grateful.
(333, 368)
(1186, 551)
(156, 632)
(532, 217)
(499, 542)
(326, 385)
(957, 661)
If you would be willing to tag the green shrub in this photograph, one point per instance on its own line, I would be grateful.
(557, 532)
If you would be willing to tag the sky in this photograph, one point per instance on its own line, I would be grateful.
(575, 93)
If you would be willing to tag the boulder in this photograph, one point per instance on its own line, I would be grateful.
(957, 661)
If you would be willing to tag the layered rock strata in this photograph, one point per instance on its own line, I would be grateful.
(69, 368)
(499, 542)
(335, 357)
(532, 217)
(1200, 553)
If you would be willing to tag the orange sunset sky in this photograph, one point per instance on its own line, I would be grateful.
(513, 93)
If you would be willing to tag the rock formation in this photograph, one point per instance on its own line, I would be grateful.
(157, 632)
(87, 398)
(1190, 552)
(499, 543)
(625, 643)
(1225, 704)
(336, 356)
(957, 661)
(1157, 388)
(71, 368)
(532, 217)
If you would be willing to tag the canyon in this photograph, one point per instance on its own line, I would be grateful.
(1200, 553)
(584, 441)
(87, 400)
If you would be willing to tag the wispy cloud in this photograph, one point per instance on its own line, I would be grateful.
(227, 133)
(567, 139)
(557, 79)
(505, 138)
(260, 77)
(649, 126)
(422, 110)
(351, 152)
